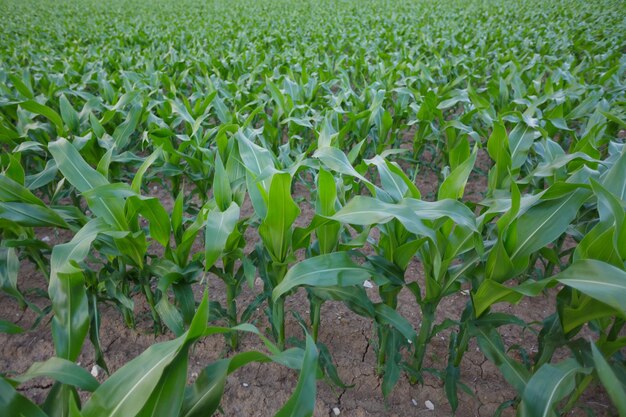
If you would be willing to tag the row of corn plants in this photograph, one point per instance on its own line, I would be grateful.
(244, 115)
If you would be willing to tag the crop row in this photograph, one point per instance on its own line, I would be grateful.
(354, 105)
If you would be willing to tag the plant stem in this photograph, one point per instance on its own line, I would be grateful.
(428, 317)
(389, 295)
(278, 310)
(616, 328)
(580, 388)
(232, 315)
(383, 335)
(279, 321)
(155, 316)
(316, 307)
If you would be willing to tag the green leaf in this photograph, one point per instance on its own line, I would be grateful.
(138, 177)
(355, 298)
(170, 316)
(73, 166)
(410, 212)
(85, 179)
(60, 370)
(9, 328)
(255, 158)
(204, 396)
(126, 392)
(31, 215)
(393, 184)
(282, 211)
(67, 291)
(612, 384)
(548, 386)
(222, 190)
(152, 209)
(11, 191)
(337, 161)
(34, 107)
(69, 115)
(391, 317)
(133, 386)
(363, 210)
(454, 184)
(332, 269)
(167, 398)
(302, 401)
(14, 404)
(122, 133)
(521, 139)
(498, 148)
(9, 268)
(491, 345)
(219, 227)
(598, 280)
(327, 234)
(545, 222)
(491, 292)
(44, 177)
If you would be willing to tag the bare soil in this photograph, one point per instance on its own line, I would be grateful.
(261, 389)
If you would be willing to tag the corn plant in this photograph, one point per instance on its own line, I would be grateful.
(154, 383)
(384, 116)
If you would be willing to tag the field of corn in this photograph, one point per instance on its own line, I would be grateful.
(297, 208)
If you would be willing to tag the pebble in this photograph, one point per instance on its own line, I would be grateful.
(45, 239)
(368, 284)
(336, 411)
(95, 371)
(429, 405)
(245, 385)
(414, 401)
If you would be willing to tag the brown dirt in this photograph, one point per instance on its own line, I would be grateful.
(261, 389)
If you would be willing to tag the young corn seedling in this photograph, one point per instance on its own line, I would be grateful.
(224, 238)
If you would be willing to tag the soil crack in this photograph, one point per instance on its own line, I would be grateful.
(34, 386)
(367, 346)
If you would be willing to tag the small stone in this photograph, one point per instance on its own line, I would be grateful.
(414, 401)
(45, 239)
(95, 371)
(429, 405)
(194, 375)
(368, 284)
(245, 385)
(336, 411)
(155, 188)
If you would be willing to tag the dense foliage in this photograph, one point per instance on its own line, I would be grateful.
(225, 102)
